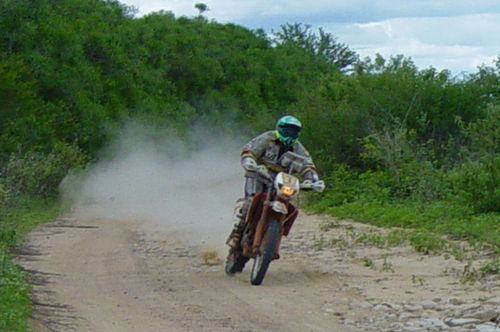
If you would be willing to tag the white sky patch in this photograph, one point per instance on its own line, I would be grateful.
(457, 43)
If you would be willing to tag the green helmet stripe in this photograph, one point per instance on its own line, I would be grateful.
(289, 120)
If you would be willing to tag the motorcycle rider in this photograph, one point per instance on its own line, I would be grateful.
(262, 155)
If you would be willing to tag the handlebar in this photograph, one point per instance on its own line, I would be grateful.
(263, 174)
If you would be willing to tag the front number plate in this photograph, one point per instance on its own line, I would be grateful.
(279, 207)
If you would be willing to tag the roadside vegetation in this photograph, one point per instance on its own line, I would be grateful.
(15, 221)
(397, 145)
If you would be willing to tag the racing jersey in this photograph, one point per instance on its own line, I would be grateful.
(266, 149)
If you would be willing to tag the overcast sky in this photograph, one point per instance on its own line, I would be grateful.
(458, 35)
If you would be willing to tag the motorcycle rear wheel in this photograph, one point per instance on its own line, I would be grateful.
(266, 252)
(235, 262)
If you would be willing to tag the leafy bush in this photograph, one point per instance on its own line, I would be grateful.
(2, 194)
(38, 174)
(477, 180)
(426, 242)
(339, 189)
(478, 184)
(15, 221)
(14, 301)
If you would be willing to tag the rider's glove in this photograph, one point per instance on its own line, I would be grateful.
(249, 164)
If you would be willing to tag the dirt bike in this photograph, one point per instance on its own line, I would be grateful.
(269, 218)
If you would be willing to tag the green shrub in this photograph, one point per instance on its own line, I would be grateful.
(3, 194)
(15, 221)
(14, 301)
(478, 184)
(36, 173)
(426, 242)
(339, 188)
(477, 181)
(344, 185)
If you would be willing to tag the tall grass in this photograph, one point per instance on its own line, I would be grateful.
(28, 186)
(15, 221)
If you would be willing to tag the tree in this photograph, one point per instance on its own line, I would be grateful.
(201, 7)
(478, 178)
(325, 45)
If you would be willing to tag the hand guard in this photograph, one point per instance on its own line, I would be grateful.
(264, 172)
(250, 165)
(318, 186)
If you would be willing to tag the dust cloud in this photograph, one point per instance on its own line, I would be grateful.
(167, 185)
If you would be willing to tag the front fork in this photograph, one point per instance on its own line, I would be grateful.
(262, 226)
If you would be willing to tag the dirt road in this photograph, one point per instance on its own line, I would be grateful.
(103, 275)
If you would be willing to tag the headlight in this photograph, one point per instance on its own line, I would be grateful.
(286, 185)
(286, 190)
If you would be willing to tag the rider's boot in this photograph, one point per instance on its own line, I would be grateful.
(235, 237)
(239, 224)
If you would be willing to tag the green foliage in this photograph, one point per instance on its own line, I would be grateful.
(426, 242)
(368, 262)
(79, 68)
(449, 217)
(201, 7)
(477, 180)
(412, 169)
(323, 45)
(15, 221)
(332, 126)
(492, 267)
(399, 99)
(19, 109)
(485, 134)
(38, 174)
(338, 191)
(409, 172)
(478, 184)
(73, 69)
(376, 240)
(14, 301)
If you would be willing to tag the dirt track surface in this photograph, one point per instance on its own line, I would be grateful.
(103, 275)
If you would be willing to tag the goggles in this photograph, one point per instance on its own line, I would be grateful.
(289, 131)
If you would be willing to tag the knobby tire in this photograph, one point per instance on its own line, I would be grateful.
(266, 252)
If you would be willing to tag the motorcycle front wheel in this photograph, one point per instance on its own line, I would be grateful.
(266, 252)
